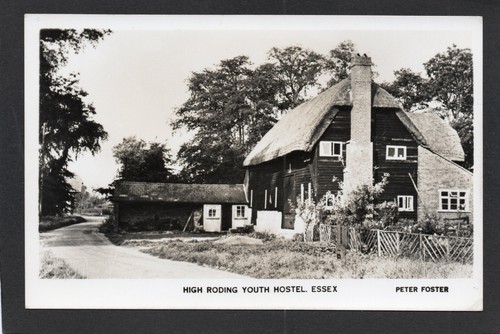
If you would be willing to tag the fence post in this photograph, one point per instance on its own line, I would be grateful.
(378, 242)
(397, 244)
(447, 248)
(422, 251)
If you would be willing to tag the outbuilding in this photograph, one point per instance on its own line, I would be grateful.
(163, 206)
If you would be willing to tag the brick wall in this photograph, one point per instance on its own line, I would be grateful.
(359, 155)
(436, 173)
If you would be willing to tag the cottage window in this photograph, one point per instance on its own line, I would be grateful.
(453, 200)
(405, 203)
(395, 152)
(212, 213)
(330, 149)
(240, 211)
(329, 200)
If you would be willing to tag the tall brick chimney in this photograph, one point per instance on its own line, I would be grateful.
(359, 151)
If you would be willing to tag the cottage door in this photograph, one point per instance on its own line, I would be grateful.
(226, 217)
(290, 199)
(212, 217)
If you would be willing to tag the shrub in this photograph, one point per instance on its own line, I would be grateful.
(108, 226)
(264, 236)
(52, 223)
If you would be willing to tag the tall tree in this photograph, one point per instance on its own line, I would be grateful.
(143, 162)
(338, 62)
(451, 85)
(296, 70)
(410, 89)
(230, 108)
(447, 90)
(66, 124)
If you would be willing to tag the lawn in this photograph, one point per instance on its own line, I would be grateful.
(280, 258)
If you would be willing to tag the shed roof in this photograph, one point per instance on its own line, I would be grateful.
(301, 127)
(127, 191)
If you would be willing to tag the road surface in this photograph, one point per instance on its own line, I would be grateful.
(92, 255)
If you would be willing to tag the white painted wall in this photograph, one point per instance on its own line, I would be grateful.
(270, 222)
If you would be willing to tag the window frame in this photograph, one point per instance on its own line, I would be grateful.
(212, 213)
(396, 148)
(331, 154)
(332, 197)
(240, 211)
(406, 207)
(449, 197)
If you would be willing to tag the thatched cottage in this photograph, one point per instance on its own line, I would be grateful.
(355, 132)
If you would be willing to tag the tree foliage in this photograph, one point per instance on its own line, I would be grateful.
(229, 109)
(66, 124)
(143, 162)
(447, 89)
(296, 70)
(339, 61)
(409, 88)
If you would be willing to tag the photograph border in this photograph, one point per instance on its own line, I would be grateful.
(17, 319)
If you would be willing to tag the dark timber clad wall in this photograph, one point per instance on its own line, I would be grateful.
(388, 130)
(328, 167)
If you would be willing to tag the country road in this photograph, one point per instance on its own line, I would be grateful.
(91, 254)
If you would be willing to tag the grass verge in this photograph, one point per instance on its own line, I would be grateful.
(281, 258)
(51, 267)
(52, 223)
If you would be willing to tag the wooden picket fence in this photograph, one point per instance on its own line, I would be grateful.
(422, 246)
(394, 243)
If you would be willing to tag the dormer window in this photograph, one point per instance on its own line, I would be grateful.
(394, 152)
(330, 149)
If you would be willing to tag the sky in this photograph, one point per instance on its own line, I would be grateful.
(136, 78)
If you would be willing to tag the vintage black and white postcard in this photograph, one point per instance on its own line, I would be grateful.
(253, 162)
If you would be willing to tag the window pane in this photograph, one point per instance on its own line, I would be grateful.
(401, 152)
(462, 194)
(391, 152)
(324, 148)
(337, 149)
(444, 193)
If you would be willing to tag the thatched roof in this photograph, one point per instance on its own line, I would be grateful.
(301, 127)
(127, 191)
(435, 134)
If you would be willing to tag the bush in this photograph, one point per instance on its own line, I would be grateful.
(431, 224)
(264, 236)
(52, 223)
(108, 226)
